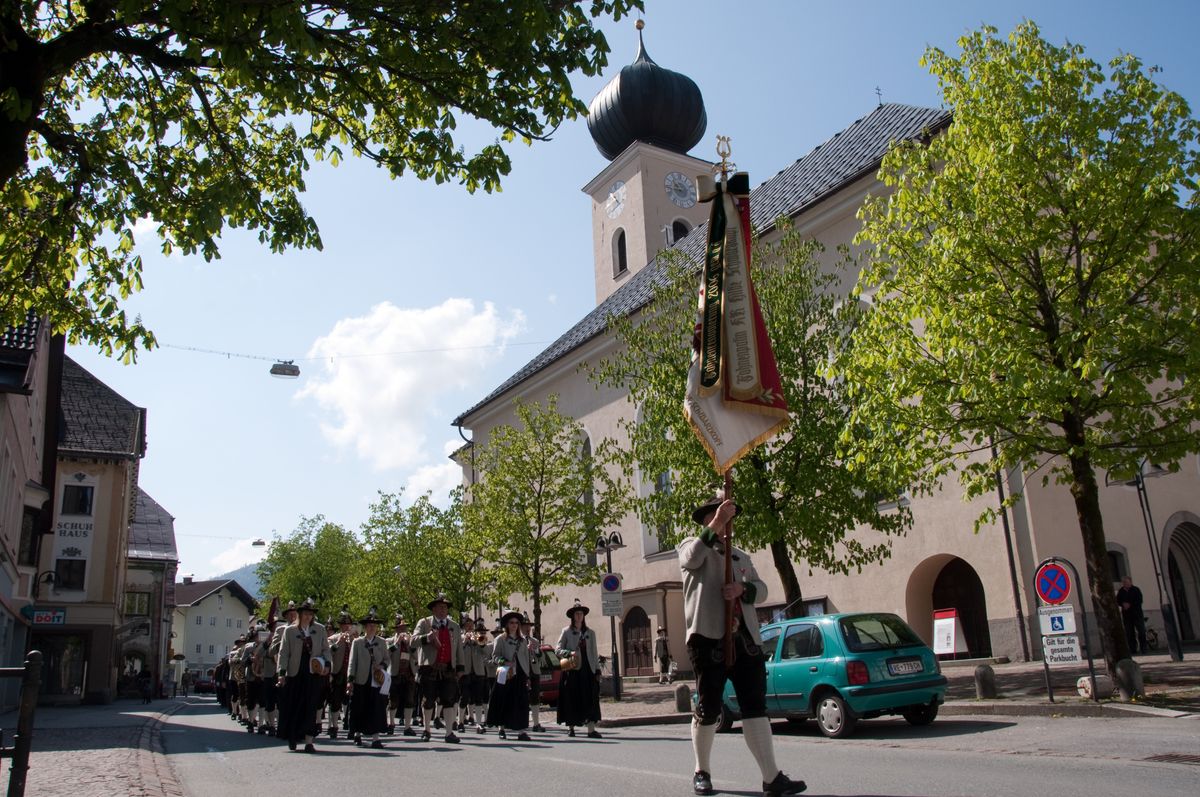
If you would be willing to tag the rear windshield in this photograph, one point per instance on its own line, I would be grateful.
(865, 632)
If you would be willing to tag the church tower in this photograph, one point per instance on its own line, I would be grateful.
(644, 122)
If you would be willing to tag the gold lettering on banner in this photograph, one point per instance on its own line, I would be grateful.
(698, 414)
(743, 372)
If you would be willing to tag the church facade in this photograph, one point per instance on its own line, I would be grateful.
(644, 201)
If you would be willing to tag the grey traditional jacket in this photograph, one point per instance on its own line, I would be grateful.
(507, 649)
(568, 643)
(535, 654)
(703, 568)
(366, 657)
(339, 651)
(290, 647)
(427, 651)
(401, 653)
(475, 654)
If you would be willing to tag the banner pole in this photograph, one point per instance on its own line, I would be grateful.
(729, 604)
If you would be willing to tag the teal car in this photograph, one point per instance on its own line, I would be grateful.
(840, 668)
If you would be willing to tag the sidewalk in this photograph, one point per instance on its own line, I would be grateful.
(98, 751)
(1172, 690)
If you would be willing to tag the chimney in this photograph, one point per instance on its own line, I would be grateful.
(187, 580)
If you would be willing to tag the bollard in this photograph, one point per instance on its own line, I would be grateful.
(1104, 687)
(23, 740)
(1128, 677)
(683, 698)
(985, 682)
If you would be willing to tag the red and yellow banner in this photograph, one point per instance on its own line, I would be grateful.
(734, 398)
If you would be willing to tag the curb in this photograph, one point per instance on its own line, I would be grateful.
(158, 777)
(646, 719)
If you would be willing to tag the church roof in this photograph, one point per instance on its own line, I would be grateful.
(850, 155)
(97, 419)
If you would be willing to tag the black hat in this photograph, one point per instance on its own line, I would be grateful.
(345, 616)
(700, 512)
(578, 607)
(371, 617)
(511, 614)
(525, 619)
(480, 620)
(291, 607)
(441, 598)
(399, 620)
(240, 640)
(309, 605)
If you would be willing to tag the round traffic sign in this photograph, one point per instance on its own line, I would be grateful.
(1052, 583)
(611, 582)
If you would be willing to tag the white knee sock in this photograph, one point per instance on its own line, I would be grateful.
(273, 716)
(391, 715)
(534, 710)
(702, 744)
(427, 715)
(757, 733)
(408, 715)
(450, 717)
(334, 716)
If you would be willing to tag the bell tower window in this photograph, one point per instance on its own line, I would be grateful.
(679, 231)
(620, 257)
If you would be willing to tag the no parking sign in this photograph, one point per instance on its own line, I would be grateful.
(612, 595)
(1053, 583)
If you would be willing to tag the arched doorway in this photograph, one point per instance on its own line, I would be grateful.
(957, 586)
(1183, 578)
(638, 650)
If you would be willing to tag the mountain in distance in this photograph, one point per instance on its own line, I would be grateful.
(247, 578)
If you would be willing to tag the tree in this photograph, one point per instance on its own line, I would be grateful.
(202, 114)
(315, 561)
(542, 499)
(1034, 281)
(797, 498)
(418, 551)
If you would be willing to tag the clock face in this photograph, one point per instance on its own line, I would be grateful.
(616, 199)
(680, 190)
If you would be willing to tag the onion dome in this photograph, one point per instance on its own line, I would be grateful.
(647, 103)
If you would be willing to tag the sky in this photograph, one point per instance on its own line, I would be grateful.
(425, 297)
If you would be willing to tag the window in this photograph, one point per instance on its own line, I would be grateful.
(199, 620)
(865, 632)
(229, 622)
(27, 553)
(197, 649)
(239, 624)
(69, 573)
(679, 231)
(1116, 563)
(77, 499)
(802, 641)
(770, 637)
(620, 257)
(210, 650)
(137, 603)
(212, 620)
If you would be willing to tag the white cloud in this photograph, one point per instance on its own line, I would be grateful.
(144, 226)
(552, 298)
(242, 553)
(380, 400)
(437, 479)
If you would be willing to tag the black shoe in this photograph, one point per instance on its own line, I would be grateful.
(503, 735)
(291, 745)
(409, 732)
(523, 737)
(783, 785)
(332, 731)
(538, 729)
(480, 729)
(308, 748)
(376, 745)
(594, 735)
(702, 783)
(451, 738)
(571, 732)
(262, 730)
(391, 730)
(250, 727)
(358, 741)
(426, 735)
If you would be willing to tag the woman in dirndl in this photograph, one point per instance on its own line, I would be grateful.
(366, 674)
(508, 707)
(303, 665)
(579, 690)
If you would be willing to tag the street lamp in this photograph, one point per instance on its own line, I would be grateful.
(1138, 482)
(606, 545)
(45, 577)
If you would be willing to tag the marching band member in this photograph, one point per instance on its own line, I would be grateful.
(237, 680)
(339, 650)
(476, 652)
(579, 690)
(250, 675)
(368, 667)
(289, 618)
(303, 661)
(438, 640)
(403, 696)
(535, 671)
(508, 707)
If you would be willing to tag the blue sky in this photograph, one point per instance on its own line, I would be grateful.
(426, 297)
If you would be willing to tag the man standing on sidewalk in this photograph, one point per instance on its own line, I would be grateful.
(702, 560)
(1129, 598)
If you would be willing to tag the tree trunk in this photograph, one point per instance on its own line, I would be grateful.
(537, 611)
(787, 575)
(1095, 550)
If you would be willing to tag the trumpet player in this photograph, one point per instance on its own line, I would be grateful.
(339, 651)
(476, 652)
(403, 696)
(366, 677)
(535, 671)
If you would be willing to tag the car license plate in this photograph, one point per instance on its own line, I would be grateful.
(905, 667)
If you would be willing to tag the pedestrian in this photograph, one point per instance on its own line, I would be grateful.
(535, 672)
(579, 689)
(185, 682)
(1129, 598)
(146, 684)
(303, 664)
(705, 596)
(438, 641)
(662, 654)
(365, 678)
(508, 707)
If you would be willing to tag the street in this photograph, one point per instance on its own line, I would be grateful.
(975, 756)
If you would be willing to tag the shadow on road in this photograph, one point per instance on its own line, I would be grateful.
(898, 729)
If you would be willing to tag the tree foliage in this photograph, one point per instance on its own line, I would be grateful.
(541, 501)
(315, 561)
(203, 114)
(1034, 280)
(797, 498)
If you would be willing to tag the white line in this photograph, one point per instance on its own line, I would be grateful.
(577, 763)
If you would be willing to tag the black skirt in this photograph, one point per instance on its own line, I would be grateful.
(299, 700)
(579, 696)
(367, 710)
(508, 706)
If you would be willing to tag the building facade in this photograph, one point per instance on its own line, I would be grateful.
(209, 616)
(148, 605)
(941, 563)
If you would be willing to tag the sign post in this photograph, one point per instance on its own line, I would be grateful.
(612, 595)
(1060, 644)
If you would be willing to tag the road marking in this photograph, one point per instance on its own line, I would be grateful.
(577, 763)
(212, 751)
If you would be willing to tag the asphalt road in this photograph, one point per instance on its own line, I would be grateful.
(963, 756)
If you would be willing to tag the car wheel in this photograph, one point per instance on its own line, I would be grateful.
(725, 724)
(920, 715)
(834, 717)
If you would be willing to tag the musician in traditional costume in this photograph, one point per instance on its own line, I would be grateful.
(662, 655)
(535, 671)
(237, 679)
(402, 697)
(303, 664)
(508, 708)
(251, 675)
(289, 618)
(367, 673)
(579, 689)
(339, 651)
(706, 592)
(477, 650)
(438, 641)
(262, 664)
